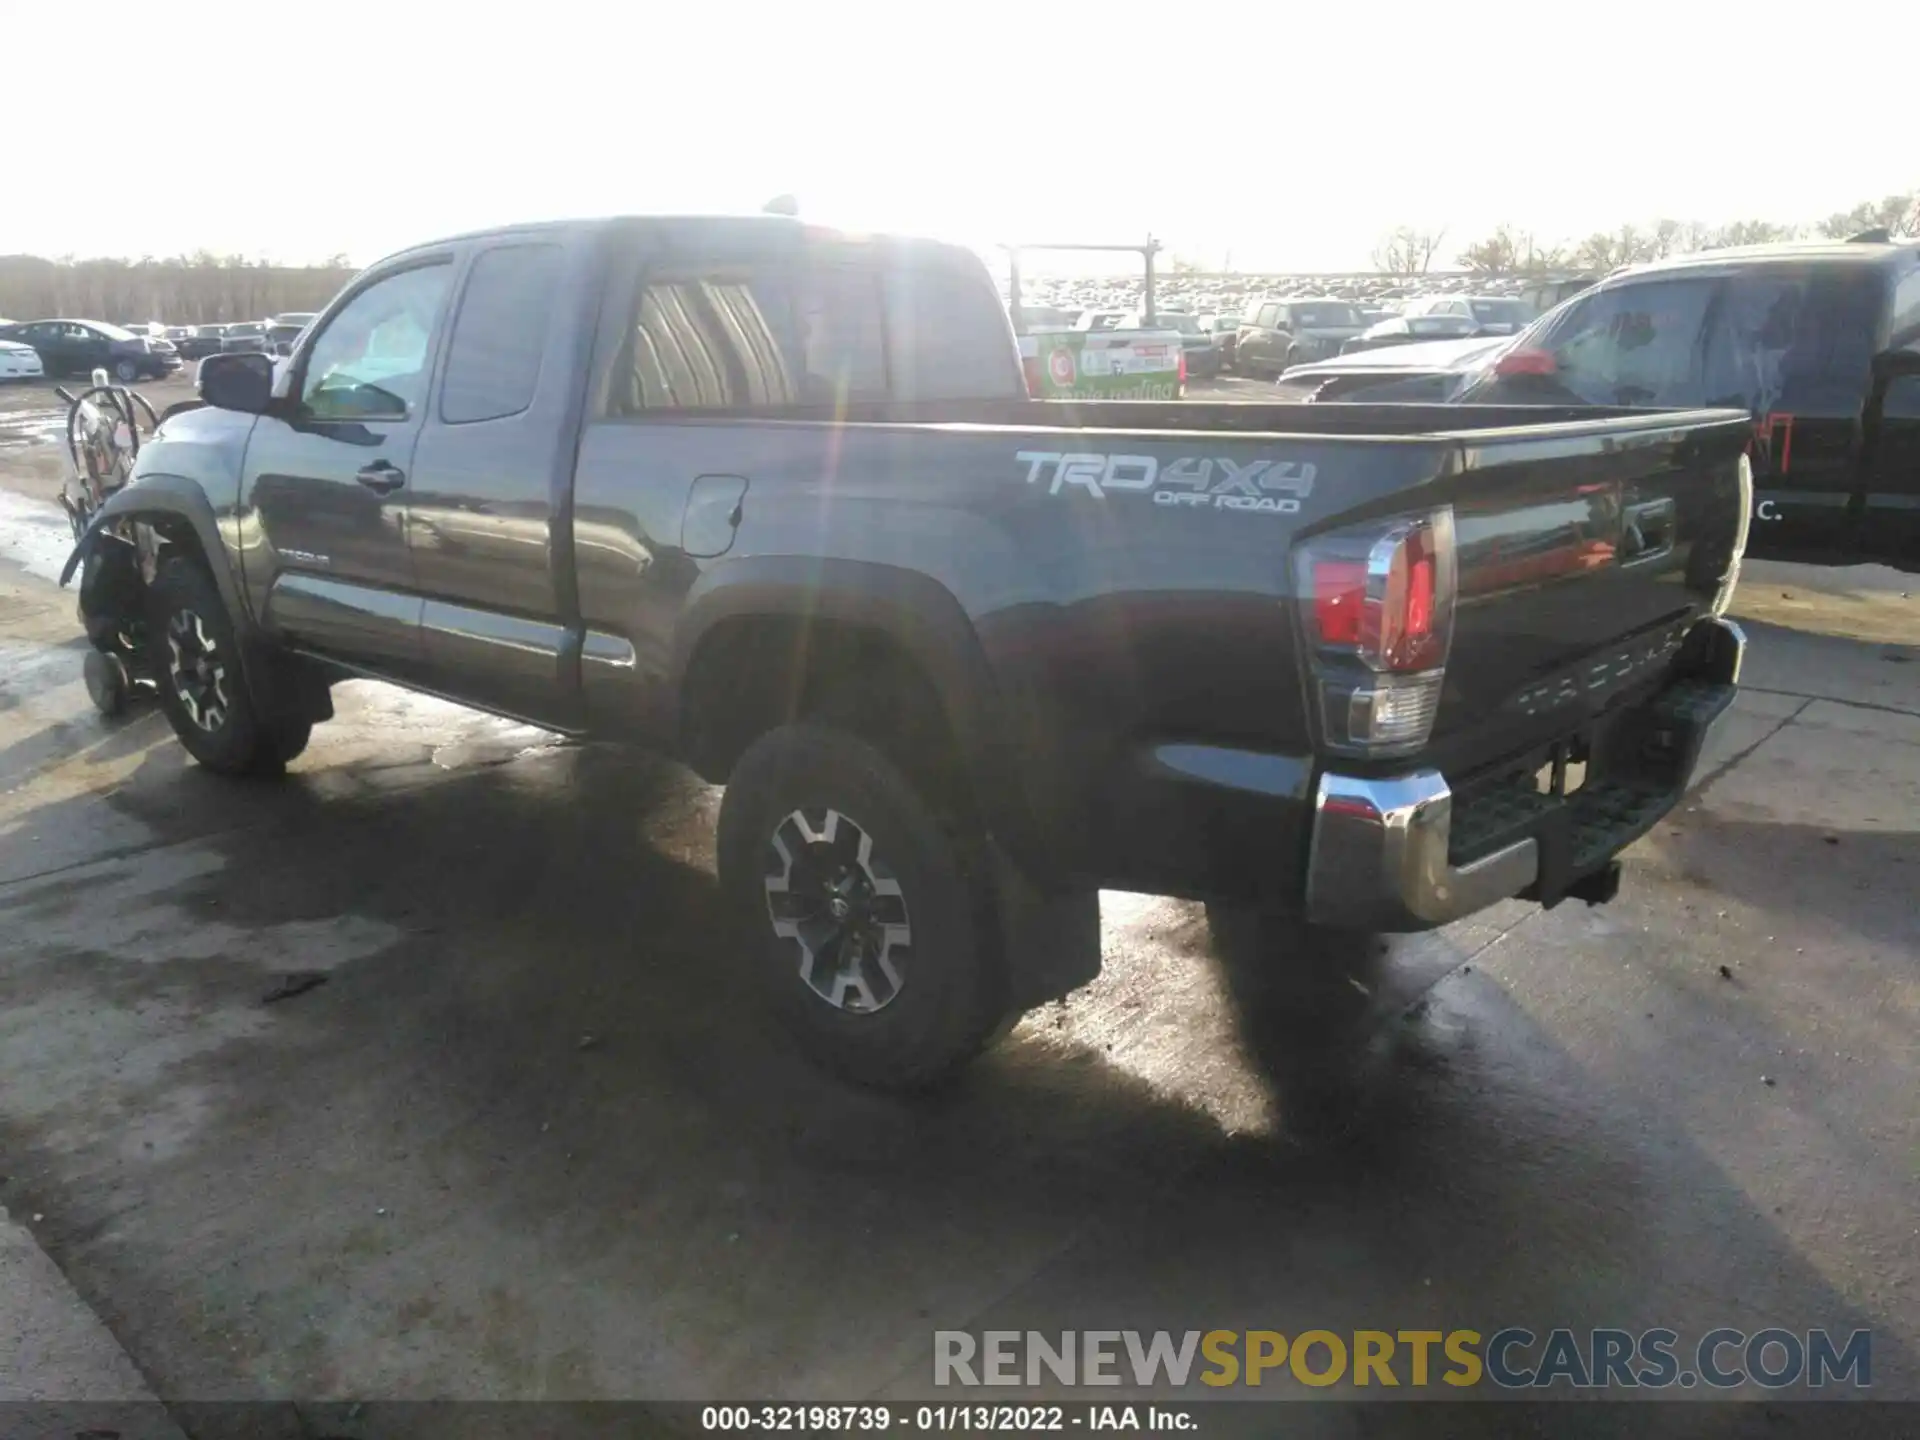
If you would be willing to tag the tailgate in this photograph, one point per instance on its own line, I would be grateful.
(1104, 364)
(1585, 553)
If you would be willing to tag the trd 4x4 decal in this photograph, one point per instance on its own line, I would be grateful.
(1275, 487)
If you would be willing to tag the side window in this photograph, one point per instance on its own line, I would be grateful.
(718, 342)
(370, 363)
(1633, 345)
(842, 334)
(493, 354)
(1906, 310)
(1794, 341)
(1902, 400)
(756, 339)
(1267, 317)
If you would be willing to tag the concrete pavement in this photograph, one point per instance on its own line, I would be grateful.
(527, 1140)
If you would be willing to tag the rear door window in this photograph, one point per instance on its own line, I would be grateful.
(493, 359)
(1795, 341)
(1634, 344)
(1268, 317)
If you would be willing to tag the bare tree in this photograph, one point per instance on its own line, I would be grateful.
(1751, 232)
(1511, 252)
(1407, 251)
(1898, 215)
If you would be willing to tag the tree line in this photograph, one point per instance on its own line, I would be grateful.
(200, 289)
(1409, 250)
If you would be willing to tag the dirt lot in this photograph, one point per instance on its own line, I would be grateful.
(525, 1141)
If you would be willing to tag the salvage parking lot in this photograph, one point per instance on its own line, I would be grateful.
(518, 1135)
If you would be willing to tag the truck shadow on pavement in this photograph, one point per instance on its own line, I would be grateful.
(532, 1137)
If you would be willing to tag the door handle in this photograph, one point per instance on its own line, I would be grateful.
(382, 477)
(1649, 530)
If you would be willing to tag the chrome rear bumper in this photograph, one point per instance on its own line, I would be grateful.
(1379, 858)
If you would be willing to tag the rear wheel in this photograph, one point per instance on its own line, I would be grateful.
(865, 906)
(197, 664)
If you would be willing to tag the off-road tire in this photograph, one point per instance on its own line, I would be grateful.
(951, 997)
(185, 608)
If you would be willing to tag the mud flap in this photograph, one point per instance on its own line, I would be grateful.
(1051, 939)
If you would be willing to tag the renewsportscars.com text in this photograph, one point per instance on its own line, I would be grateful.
(1511, 1358)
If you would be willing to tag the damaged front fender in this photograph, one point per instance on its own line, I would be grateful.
(178, 510)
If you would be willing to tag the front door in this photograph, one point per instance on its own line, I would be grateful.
(1794, 346)
(329, 569)
(1891, 528)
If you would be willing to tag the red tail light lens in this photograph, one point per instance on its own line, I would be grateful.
(1406, 613)
(1384, 593)
(1339, 598)
(1377, 605)
(1527, 362)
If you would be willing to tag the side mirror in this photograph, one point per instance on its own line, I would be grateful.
(241, 381)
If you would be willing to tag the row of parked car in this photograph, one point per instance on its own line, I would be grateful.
(36, 349)
(1278, 333)
(270, 337)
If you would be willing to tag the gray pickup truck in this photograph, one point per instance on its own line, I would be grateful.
(960, 657)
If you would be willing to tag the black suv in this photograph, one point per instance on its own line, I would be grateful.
(1820, 341)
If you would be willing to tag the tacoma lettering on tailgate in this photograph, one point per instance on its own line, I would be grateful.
(1595, 678)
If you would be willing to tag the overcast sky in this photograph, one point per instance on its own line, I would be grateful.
(1286, 135)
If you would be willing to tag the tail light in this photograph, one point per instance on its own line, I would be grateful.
(1030, 367)
(1527, 362)
(1377, 604)
(1730, 578)
(1180, 389)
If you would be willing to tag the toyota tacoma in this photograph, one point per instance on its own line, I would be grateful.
(960, 657)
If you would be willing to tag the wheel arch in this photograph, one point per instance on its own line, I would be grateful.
(914, 615)
(179, 509)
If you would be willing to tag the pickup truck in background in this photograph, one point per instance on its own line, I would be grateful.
(775, 500)
(1127, 360)
(1818, 341)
